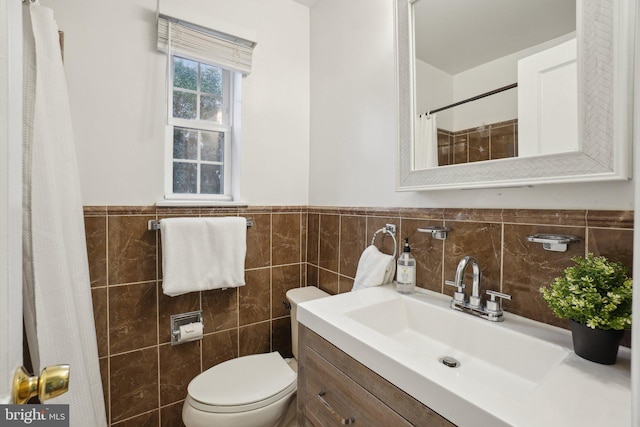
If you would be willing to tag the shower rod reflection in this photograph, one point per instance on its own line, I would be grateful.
(474, 98)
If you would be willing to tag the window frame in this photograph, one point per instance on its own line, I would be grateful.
(199, 125)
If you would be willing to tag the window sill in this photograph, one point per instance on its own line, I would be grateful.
(200, 203)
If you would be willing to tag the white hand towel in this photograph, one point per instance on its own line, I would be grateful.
(202, 253)
(374, 268)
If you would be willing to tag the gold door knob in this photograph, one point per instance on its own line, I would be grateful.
(52, 382)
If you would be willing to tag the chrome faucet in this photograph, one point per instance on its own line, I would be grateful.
(493, 309)
(474, 300)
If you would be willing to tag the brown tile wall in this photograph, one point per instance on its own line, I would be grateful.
(145, 378)
(491, 142)
(497, 238)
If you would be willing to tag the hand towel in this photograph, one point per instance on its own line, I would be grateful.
(374, 269)
(202, 253)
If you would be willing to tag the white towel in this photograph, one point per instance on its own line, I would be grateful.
(202, 253)
(374, 268)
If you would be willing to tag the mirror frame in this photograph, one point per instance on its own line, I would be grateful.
(605, 83)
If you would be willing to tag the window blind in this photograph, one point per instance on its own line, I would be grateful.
(204, 44)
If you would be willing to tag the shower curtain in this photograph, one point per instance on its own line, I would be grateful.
(58, 311)
(426, 142)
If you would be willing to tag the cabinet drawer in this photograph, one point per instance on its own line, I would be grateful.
(332, 398)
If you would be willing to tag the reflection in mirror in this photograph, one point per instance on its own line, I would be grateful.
(493, 79)
(605, 33)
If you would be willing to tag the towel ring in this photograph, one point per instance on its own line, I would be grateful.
(388, 231)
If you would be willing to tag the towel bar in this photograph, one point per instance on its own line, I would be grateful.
(389, 229)
(154, 224)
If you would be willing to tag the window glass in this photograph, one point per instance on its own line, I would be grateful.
(185, 73)
(201, 128)
(185, 178)
(212, 146)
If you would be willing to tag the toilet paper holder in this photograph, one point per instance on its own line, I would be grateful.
(184, 319)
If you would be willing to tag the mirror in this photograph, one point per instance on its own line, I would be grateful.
(473, 64)
(601, 99)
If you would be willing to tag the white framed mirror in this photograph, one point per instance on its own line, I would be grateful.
(603, 110)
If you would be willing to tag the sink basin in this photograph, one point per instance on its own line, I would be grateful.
(487, 353)
(513, 373)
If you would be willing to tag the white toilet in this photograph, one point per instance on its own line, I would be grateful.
(250, 391)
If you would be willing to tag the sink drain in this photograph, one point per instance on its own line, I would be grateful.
(449, 362)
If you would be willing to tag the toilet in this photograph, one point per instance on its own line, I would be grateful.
(250, 391)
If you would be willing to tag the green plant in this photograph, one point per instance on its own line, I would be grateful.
(595, 292)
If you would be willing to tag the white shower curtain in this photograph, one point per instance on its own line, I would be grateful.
(57, 291)
(426, 142)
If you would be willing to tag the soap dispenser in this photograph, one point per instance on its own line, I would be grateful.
(406, 270)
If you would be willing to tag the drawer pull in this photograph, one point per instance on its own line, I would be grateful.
(343, 421)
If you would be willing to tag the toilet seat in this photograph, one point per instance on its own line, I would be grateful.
(242, 384)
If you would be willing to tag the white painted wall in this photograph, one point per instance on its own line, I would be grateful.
(335, 62)
(353, 124)
(116, 87)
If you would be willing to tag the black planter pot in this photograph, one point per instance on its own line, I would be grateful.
(596, 345)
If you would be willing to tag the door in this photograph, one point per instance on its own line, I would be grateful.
(10, 194)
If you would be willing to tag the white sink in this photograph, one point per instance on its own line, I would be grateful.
(486, 352)
(513, 373)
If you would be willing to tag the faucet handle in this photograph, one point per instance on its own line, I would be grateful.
(494, 305)
(458, 295)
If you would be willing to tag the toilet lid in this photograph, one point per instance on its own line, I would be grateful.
(256, 381)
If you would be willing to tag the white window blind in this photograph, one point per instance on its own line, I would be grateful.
(205, 44)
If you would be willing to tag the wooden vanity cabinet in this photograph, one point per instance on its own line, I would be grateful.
(335, 389)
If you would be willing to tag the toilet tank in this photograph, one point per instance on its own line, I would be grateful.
(295, 297)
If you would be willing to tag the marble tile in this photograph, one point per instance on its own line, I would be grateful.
(353, 241)
(304, 235)
(179, 364)
(219, 347)
(328, 281)
(502, 141)
(220, 309)
(481, 240)
(150, 419)
(132, 250)
(134, 383)
(283, 278)
(313, 276)
(329, 241)
(575, 218)
(132, 317)
(281, 336)
(460, 148)
(479, 145)
(479, 215)
(168, 306)
(614, 244)
(254, 339)
(171, 415)
(96, 235)
(610, 219)
(259, 242)
(255, 297)
(384, 242)
(527, 267)
(100, 315)
(286, 240)
(345, 284)
(313, 239)
(427, 251)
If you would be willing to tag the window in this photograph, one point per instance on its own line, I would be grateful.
(200, 119)
(203, 69)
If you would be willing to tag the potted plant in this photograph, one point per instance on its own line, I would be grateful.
(596, 295)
